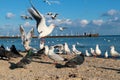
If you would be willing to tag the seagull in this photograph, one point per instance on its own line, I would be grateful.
(113, 52)
(42, 28)
(74, 50)
(59, 48)
(26, 17)
(87, 54)
(92, 51)
(106, 54)
(46, 1)
(66, 48)
(26, 38)
(42, 44)
(77, 60)
(53, 16)
(55, 57)
(62, 28)
(49, 13)
(46, 50)
(97, 50)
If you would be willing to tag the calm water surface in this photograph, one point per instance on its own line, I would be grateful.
(82, 43)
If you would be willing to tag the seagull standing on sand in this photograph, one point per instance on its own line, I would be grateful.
(42, 28)
(59, 48)
(87, 54)
(55, 57)
(106, 54)
(74, 50)
(97, 50)
(113, 52)
(77, 60)
(92, 51)
(42, 44)
(66, 48)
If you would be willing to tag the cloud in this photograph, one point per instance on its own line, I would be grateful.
(111, 12)
(84, 22)
(97, 22)
(60, 21)
(9, 15)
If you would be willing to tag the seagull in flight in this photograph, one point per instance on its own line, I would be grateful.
(42, 28)
(26, 38)
(62, 28)
(47, 1)
(26, 17)
(53, 16)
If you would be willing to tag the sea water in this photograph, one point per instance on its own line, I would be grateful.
(82, 43)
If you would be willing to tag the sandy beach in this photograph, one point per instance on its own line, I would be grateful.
(41, 69)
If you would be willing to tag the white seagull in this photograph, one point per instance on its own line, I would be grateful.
(92, 51)
(87, 54)
(97, 50)
(42, 44)
(66, 48)
(106, 54)
(42, 28)
(113, 52)
(74, 50)
(62, 28)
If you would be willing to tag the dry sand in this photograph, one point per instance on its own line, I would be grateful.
(91, 69)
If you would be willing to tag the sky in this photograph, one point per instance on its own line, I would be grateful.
(78, 16)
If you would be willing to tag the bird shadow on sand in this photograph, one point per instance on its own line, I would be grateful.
(59, 66)
(118, 70)
(42, 62)
(14, 66)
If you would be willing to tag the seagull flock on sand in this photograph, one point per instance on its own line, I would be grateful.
(52, 52)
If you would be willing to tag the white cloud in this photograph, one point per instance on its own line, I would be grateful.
(9, 15)
(112, 12)
(97, 22)
(84, 22)
(60, 21)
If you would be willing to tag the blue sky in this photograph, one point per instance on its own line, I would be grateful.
(79, 16)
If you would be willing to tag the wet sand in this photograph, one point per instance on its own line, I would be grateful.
(42, 69)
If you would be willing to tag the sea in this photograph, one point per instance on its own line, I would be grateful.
(82, 43)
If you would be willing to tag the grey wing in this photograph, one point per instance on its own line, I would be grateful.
(56, 57)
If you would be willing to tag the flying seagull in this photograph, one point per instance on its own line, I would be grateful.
(42, 28)
(47, 1)
(53, 16)
(26, 38)
(26, 17)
